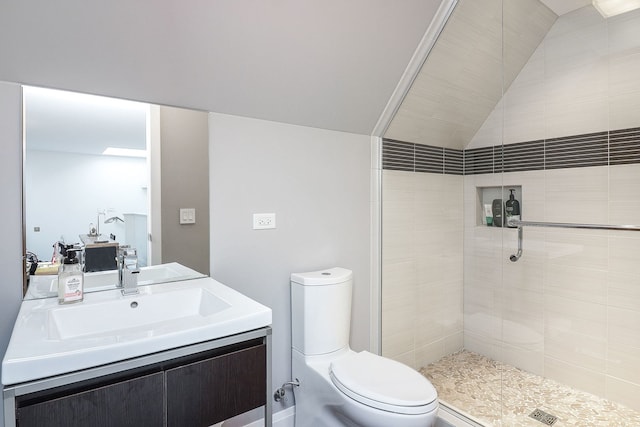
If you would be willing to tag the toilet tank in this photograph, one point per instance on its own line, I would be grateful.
(321, 310)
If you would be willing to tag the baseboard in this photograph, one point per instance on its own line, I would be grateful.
(448, 417)
(284, 418)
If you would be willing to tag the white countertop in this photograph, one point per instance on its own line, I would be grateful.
(50, 339)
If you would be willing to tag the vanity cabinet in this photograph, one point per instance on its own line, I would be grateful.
(196, 385)
(213, 390)
(135, 402)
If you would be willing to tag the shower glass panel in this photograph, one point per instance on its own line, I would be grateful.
(555, 334)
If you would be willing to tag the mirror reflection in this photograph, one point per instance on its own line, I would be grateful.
(87, 189)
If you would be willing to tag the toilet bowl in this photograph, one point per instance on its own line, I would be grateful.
(341, 387)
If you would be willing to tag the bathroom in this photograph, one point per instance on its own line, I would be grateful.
(303, 173)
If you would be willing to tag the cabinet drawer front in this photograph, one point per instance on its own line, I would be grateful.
(213, 390)
(136, 402)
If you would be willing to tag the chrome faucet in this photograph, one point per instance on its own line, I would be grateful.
(128, 270)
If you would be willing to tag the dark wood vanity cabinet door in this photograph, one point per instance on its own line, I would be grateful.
(137, 403)
(209, 391)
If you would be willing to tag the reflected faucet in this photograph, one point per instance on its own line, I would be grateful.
(128, 270)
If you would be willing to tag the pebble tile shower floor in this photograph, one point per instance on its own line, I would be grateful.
(471, 384)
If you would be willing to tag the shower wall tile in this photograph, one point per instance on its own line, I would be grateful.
(576, 317)
(624, 327)
(623, 183)
(624, 212)
(576, 248)
(422, 249)
(487, 346)
(624, 110)
(624, 362)
(577, 195)
(574, 376)
(576, 283)
(575, 332)
(529, 358)
(429, 353)
(580, 351)
(624, 289)
(623, 391)
(624, 32)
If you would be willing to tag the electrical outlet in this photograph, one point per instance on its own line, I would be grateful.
(262, 221)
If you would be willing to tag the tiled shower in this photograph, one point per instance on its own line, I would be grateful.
(567, 134)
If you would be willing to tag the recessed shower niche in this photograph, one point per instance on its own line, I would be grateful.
(487, 204)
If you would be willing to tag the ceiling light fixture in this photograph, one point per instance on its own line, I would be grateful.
(609, 8)
(126, 152)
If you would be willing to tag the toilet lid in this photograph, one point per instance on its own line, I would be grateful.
(383, 383)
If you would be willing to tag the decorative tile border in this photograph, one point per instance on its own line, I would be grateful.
(616, 147)
(407, 156)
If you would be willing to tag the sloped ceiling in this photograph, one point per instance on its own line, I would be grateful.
(330, 64)
(461, 80)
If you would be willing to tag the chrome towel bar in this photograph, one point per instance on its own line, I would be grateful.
(521, 224)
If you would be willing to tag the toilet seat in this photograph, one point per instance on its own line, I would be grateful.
(383, 383)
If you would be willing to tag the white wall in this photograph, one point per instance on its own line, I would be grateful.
(64, 191)
(11, 224)
(317, 184)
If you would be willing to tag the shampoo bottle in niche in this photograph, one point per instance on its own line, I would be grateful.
(496, 207)
(70, 278)
(512, 208)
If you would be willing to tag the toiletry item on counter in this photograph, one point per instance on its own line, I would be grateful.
(496, 208)
(70, 278)
(488, 214)
(512, 208)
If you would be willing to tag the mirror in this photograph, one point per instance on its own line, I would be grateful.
(93, 173)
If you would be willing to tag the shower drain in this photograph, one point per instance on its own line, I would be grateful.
(543, 417)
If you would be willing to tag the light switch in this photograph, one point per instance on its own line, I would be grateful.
(187, 216)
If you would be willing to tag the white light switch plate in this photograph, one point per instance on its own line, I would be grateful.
(187, 216)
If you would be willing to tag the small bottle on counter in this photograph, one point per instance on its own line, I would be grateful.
(70, 278)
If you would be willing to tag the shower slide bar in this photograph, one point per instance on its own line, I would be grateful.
(521, 224)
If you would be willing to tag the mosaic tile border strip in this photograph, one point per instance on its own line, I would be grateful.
(616, 147)
(407, 156)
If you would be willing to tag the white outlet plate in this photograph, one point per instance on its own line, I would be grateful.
(187, 216)
(263, 221)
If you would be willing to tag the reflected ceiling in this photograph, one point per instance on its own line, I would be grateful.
(78, 123)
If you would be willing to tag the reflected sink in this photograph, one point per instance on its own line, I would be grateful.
(47, 285)
(50, 339)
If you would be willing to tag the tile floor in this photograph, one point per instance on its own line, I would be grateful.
(471, 384)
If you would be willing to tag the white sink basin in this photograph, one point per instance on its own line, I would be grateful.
(126, 315)
(51, 339)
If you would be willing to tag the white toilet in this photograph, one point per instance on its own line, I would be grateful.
(339, 387)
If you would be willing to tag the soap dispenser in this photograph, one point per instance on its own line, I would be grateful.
(70, 278)
(512, 208)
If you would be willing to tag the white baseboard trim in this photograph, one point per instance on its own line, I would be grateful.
(448, 417)
(284, 418)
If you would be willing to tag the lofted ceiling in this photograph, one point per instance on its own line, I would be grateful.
(330, 64)
(461, 81)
